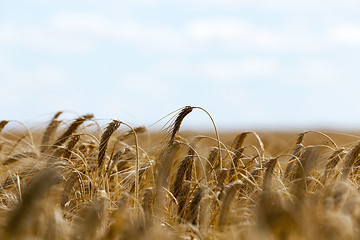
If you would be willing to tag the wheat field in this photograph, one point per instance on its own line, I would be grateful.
(75, 179)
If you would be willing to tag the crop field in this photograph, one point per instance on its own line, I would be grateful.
(79, 179)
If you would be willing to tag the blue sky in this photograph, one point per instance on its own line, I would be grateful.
(251, 64)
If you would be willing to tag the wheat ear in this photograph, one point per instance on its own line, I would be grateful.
(71, 129)
(183, 169)
(50, 129)
(110, 129)
(349, 161)
(193, 211)
(176, 125)
(296, 154)
(226, 204)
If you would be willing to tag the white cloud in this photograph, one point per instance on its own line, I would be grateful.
(77, 33)
(43, 39)
(205, 30)
(278, 5)
(80, 23)
(345, 35)
(40, 84)
(317, 71)
(55, 42)
(99, 28)
(8, 33)
(239, 35)
(240, 71)
(166, 76)
(97, 3)
(39, 78)
(146, 84)
(325, 75)
(72, 34)
(149, 36)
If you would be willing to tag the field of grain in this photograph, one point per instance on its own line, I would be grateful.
(77, 179)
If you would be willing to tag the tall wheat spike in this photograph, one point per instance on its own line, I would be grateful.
(72, 128)
(270, 166)
(213, 159)
(303, 169)
(110, 129)
(115, 160)
(164, 164)
(349, 161)
(162, 171)
(70, 146)
(333, 160)
(182, 199)
(226, 204)
(183, 168)
(54, 123)
(238, 151)
(296, 154)
(177, 123)
(193, 210)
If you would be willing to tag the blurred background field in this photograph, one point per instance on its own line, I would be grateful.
(87, 178)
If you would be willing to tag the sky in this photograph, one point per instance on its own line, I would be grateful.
(266, 64)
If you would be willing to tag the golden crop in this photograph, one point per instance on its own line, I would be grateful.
(71, 180)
